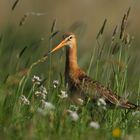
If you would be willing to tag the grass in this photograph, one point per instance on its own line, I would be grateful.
(25, 115)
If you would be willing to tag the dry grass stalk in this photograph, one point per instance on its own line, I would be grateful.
(114, 32)
(15, 4)
(116, 48)
(54, 34)
(23, 19)
(22, 52)
(128, 12)
(53, 26)
(127, 38)
(102, 29)
(124, 24)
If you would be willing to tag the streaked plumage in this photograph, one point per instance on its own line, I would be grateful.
(82, 86)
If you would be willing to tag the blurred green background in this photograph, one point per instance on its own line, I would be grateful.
(83, 17)
(25, 32)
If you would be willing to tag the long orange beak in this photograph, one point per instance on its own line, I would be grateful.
(62, 44)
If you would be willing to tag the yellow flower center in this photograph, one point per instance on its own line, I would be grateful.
(116, 132)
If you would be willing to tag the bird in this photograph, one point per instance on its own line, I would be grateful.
(80, 85)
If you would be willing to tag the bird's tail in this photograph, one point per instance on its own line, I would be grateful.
(128, 105)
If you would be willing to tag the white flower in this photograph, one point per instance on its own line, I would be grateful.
(63, 94)
(55, 83)
(47, 105)
(73, 114)
(40, 94)
(43, 89)
(36, 80)
(81, 102)
(101, 102)
(37, 93)
(24, 100)
(94, 125)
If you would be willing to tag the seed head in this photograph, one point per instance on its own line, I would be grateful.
(63, 94)
(55, 83)
(24, 100)
(36, 80)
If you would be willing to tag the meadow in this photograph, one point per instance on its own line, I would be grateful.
(33, 97)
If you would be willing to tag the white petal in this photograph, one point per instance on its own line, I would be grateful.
(94, 125)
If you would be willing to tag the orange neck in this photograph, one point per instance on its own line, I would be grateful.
(71, 64)
(71, 58)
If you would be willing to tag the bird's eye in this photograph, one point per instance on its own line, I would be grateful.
(70, 37)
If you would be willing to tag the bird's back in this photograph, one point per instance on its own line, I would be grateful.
(82, 86)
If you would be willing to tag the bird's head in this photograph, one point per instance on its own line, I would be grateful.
(68, 40)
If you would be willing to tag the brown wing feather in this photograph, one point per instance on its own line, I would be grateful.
(96, 90)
